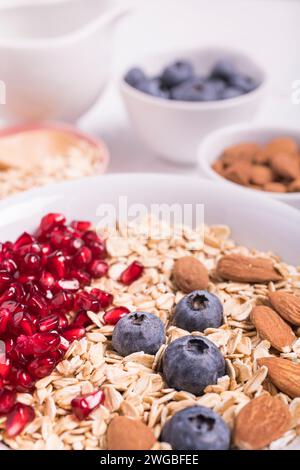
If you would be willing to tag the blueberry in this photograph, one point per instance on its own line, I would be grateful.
(223, 69)
(196, 89)
(177, 73)
(231, 92)
(153, 87)
(199, 310)
(218, 84)
(243, 82)
(134, 76)
(196, 428)
(139, 331)
(191, 363)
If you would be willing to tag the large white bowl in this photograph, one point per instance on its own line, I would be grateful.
(173, 129)
(256, 221)
(211, 148)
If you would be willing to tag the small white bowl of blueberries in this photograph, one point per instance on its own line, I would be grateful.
(174, 100)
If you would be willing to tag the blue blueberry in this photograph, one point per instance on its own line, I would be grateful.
(138, 331)
(217, 83)
(199, 310)
(196, 428)
(191, 363)
(223, 69)
(177, 73)
(231, 92)
(134, 76)
(196, 89)
(153, 87)
(243, 82)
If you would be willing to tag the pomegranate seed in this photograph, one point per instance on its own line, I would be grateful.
(86, 301)
(64, 345)
(24, 278)
(132, 273)
(63, 302)
(82, 320)
(47, 280)
(21, 380)
(50, 221)
(74, 333)
(115, 314)
(83, 278)
(104, 298)
(7, 401)
(24, 239)
(90, 237)
(33, 248)
(57, 265)
(82, 406)
(5, 280)
(81, 225)
(9, 265)
(63, 321)
(38, 304)
(71, 285)
(59, 354)
(27, 325)
(4, 318)
(82, 257)
(32, 263)
(49, 323)
(98, 268)
(18, 418)
(5, 367)
(41, 367)
(46, 249)
(98, 249)
(39, 343)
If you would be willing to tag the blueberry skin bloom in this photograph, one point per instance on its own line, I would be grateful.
(196, 428)
(177, 73)
(191, 363)
(134, 76)
(199, 310)
(139, 331)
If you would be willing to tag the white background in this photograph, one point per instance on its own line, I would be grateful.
(266, 29)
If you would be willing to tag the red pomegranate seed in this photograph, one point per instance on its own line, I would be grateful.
(82, 257)
(32, 263)
(27, 325)
(115, 314)
(9, 265)
(83, 277)
(24, 239)
(41, 367)
(50, 221)
(104, 298)
(71, 285)
(98, 268)
(46, 249)
(7, 401)
(98, 249)
(82, 406)
(63, 302)
(17, 419)
(90, 236)
(64, 345)
(5, 367)
(39, 343)
(47, 280)
(5, 280)
(21, 380)
(57, 265)
(63, 321)
(82, 320)
(33, 248)
(132, 273)
(74, 333)
(86, 301)
(38, 304)
(81, 225)
(49, 323)
(5, 315)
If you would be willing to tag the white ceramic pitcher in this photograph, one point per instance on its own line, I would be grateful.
(55, 57)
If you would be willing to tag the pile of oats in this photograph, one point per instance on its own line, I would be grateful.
(133, 385)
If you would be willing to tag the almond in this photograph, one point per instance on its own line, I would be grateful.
(294, 187)
(287, 305)
(218, 167)
(261, 175)
(247, 269)
(239, 172)
(285, 165)
(190, 274)
(281, 144)
(284, 374)
(243, 152)
(270, 326)
(275, 187)
(260, 422)
(129, 434)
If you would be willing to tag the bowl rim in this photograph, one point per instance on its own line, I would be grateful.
(62, 127)
(127, 89)
(203, 151)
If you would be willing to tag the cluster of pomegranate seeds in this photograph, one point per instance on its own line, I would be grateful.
(83, 405)
(41, 281)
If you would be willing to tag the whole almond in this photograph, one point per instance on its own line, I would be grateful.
(275, 187)
(294, 186)
(281, 144)
(240, 268)
(243, 152)
(260, 422)
(270, 326)
(129, 434)
(285, 165)
(284, 374)
(190, 274)
(287, 305)
(239, 172)
(218, 167)
(261, 175)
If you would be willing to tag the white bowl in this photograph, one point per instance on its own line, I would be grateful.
(256, 221)
(172, 129)
(212, 147)
(55, 57)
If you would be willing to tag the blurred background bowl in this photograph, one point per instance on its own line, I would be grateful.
(172, 129)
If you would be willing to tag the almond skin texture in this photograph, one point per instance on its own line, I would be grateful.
(247, 269)
(275, 187)
(285, 165)
(261, 175)
(281, 144)
(287, 305)
(284, 374)
(294, 187)
(129, 434)
(243, 152)
(270, 326)
(190, 274)
(239, 172)
(260, 422)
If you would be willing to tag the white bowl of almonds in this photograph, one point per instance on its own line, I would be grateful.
(81, 385)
